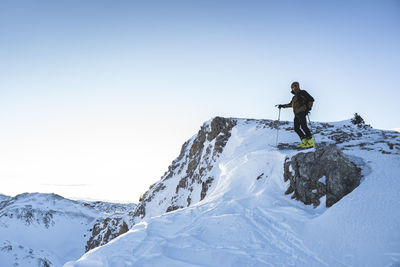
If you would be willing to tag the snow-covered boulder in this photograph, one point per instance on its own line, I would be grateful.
(325, 171)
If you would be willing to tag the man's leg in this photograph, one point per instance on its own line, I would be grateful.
(303, 123)
(296, 123)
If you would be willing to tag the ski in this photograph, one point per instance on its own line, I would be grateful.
(285, 146)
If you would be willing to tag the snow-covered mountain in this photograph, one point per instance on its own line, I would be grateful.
(222, 202)
(47, 229)
(3, 197)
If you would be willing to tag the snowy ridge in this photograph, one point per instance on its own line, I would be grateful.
(245, 219)
(47, 229)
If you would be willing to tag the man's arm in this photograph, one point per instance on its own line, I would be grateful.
(286, 105)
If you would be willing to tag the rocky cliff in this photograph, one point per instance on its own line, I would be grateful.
(189, 174)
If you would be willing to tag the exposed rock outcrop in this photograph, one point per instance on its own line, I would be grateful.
(106, 230)
(327, 171)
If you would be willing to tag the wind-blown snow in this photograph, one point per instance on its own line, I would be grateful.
(246, 220)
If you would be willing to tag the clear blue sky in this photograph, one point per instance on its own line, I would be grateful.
(100, 91)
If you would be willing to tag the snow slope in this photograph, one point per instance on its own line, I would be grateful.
(47, 229)
(246, 220)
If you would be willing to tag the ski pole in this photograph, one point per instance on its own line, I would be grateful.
(277, 127)
(308, 116)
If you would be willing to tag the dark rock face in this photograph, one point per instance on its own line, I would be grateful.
(172, 208)
(327, 171)
(106, 230)
(204, 187)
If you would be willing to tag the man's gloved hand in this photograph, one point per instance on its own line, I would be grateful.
(280, 106)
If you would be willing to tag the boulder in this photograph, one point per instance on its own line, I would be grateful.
(327, 171)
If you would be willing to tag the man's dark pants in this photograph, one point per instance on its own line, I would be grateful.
(301, 121)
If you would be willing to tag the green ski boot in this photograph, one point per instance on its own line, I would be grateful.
(303, 144)
(310, 142)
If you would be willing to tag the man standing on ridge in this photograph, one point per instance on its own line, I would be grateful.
(301, 103)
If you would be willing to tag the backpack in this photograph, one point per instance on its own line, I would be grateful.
(307, 99)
